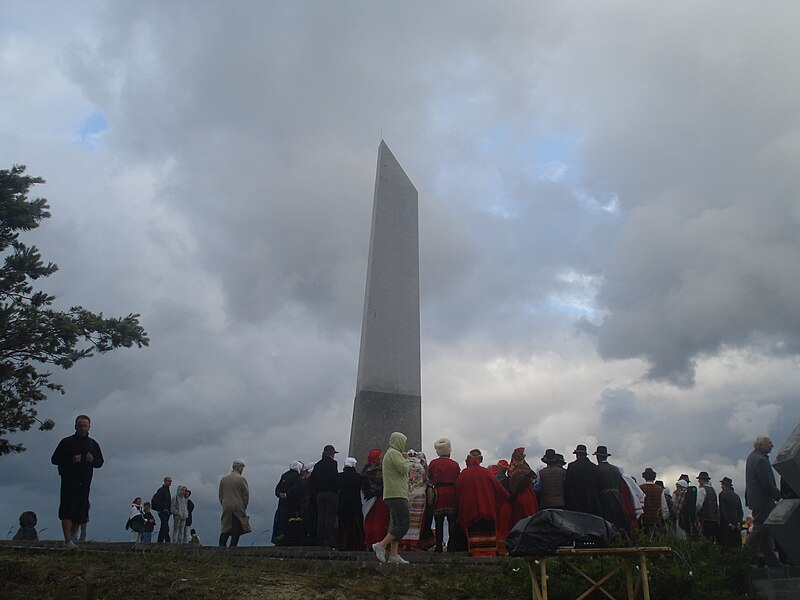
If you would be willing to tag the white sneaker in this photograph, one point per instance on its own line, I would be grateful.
(70, 545)
(379, 551)
(398, 560)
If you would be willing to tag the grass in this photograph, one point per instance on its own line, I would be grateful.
(89, 574)
(697, 570)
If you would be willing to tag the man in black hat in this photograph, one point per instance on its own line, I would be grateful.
(580, 483)
(656, 509)
(325, 483)
(609, 480)
(731, 515)
(707, 507)
(551, 481)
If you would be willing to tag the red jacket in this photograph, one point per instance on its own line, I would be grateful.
(479, 496)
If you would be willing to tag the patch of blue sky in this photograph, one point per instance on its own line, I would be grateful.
(495, 142)
(9, 21)
(610, 204)
(92, 130)
(577, 295)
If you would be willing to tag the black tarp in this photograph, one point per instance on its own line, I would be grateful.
(550, 529)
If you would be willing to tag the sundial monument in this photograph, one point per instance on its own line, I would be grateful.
(388, 396)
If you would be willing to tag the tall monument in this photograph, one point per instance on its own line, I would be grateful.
(388, 386)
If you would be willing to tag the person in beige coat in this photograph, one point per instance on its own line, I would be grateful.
(234, 494)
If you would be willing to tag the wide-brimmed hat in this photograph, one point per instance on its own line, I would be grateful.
(685, 477)
(550, 456)
(727, 481)
(649, 474)
(560, 459)
(601, 451)
(703, 476)
(580, 449)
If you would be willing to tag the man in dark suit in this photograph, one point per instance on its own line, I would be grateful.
(761, 494)
(730, 516)
(580, 484)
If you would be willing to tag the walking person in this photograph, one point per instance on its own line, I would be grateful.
(395, 494)
(234, 496)
(76, 456)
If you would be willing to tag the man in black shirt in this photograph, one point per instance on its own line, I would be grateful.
(325, 482)
(76, 456)
(162, 502)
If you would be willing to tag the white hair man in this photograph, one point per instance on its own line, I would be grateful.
(234, 495)
(760, 495)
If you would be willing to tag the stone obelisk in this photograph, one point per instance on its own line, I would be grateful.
(388, 394)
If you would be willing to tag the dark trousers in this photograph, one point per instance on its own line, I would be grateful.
(728, 537)
(452, 526)
(711, 530)
(761, 539)
(163, 533)
(327, 518)
(235, 532)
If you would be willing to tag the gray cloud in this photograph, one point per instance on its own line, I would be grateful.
(607, 203)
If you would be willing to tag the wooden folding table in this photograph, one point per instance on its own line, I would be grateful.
(629, 559)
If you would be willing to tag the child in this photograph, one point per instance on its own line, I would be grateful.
(149, 524)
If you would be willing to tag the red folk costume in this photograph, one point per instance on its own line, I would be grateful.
(376, 513)
(520, 478)
(443, 474)
(479, 497)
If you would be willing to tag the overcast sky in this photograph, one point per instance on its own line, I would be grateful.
(609, 229)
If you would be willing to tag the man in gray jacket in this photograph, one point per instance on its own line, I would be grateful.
(760, 495)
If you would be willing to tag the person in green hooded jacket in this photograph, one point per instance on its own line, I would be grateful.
(395, 494)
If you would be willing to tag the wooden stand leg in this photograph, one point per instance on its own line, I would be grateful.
(645, 577)
(629, 580)
(543, 576)
(538, 592)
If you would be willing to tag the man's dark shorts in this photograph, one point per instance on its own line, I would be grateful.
(74, 501)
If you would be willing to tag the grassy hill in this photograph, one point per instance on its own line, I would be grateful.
(110, 571)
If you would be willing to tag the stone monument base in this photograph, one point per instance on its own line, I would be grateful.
(376, 415)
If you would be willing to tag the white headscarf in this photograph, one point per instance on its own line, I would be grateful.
(350, 462)
(296, 466)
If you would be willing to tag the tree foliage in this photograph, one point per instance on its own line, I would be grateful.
(33, 335)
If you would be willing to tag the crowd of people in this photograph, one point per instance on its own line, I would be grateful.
(400, 501)
(142, 521)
